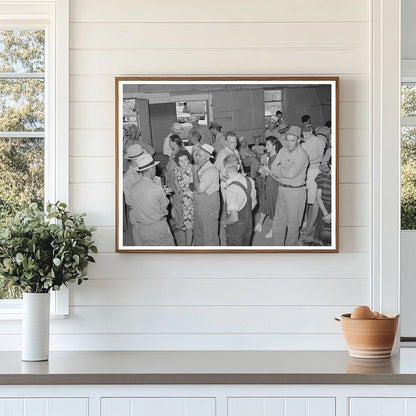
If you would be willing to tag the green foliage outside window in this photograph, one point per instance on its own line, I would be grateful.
(408, 160)
(21, 110)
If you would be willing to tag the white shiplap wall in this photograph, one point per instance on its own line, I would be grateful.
(215, 301)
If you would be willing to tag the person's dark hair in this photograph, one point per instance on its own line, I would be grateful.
(174, 138)
(279, 113)
(196, 135)
(328, 124)
(215, 126)
(182, 152)
(275, 142)
(230, 133)
(305, 118)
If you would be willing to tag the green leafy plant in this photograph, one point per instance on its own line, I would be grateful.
(43, 251)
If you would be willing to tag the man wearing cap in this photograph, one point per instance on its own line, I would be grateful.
(240, 200)
(248, 157)
(149, 207)
(130, 177)
(206, 137)
(175, 129)
(206, 197)
(289, 168)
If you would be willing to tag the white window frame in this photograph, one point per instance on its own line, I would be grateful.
(385, 150)
(53, 17)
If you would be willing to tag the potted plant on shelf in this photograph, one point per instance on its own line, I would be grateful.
(40, 252)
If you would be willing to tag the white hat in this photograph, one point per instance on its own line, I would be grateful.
(207, 148)
(133, 152)
(176, 128)
(145, 162)
(294, 131)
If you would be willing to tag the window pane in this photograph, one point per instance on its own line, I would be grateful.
(21, 109)
(21, 173)
(273, 95)
(408, 100)
(21, 182)
(22, 51)
(272, 103)
(22, 104)
(408, 178)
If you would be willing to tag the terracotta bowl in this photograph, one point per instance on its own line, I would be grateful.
(369, 338)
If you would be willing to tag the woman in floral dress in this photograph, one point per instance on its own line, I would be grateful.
(183, 178)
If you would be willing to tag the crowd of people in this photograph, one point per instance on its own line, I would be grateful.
(216, 189)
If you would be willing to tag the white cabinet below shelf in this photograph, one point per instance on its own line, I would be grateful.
(43, 407)
(160, 406)
(271, 406)
(382, 406)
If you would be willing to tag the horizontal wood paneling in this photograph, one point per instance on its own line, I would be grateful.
(231, 61)
(146, 342)
(220, 35)
(100, 88)
(220, 291)
(218, 11)
(206, 320)
(201, 319)
(105, 239)
(354, 170)
(95, 143)
(96, 199)
(92, 169)
(92, 115)
(287, 296)
(354, 142)
(354, 239)
(354, 115)
(354, 208)
(204, 266)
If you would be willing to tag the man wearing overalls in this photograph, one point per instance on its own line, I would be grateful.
(240, 199)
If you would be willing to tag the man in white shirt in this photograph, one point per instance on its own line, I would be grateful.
(230, 148)
(289, 168)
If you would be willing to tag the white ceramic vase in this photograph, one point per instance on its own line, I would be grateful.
(35, 326)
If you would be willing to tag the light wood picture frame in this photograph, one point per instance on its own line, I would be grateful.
(183, 143)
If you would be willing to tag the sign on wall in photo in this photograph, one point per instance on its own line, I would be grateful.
(227, 164)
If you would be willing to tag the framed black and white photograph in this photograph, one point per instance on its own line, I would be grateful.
(230, 164)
